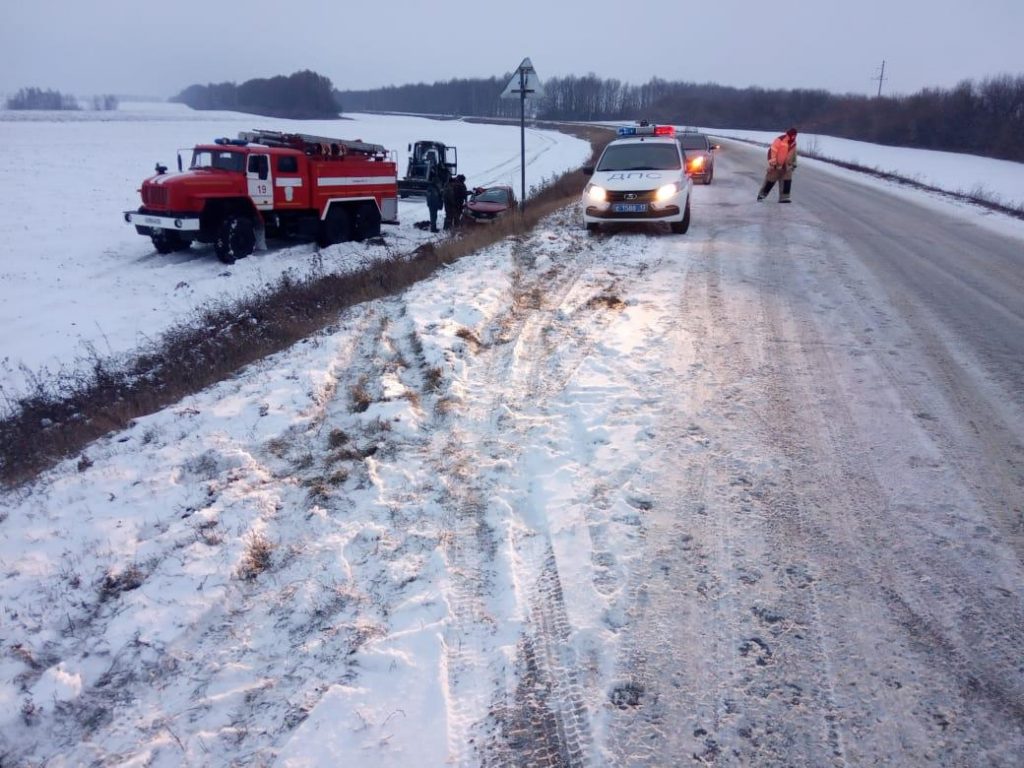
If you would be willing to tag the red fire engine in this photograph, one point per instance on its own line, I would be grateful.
(237, 192)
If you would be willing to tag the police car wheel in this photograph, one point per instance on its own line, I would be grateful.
(591, 226)
(680, 227)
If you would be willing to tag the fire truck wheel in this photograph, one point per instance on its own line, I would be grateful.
(336, 228)
(165, 241)
(366, 222)
(236, 239)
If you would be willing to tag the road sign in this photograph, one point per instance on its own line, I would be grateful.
(524, 83)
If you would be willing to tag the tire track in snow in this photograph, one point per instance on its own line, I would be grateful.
(708, 665)
(472, 465)
(913, 566)
(545, 316)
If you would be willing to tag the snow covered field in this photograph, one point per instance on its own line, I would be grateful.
(74, 278)
(437, 526)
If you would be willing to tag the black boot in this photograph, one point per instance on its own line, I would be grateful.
(765, 189)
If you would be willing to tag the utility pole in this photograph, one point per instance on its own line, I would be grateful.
(880, 78)
(523, 90)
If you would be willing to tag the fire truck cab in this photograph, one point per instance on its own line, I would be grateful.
(235, 193)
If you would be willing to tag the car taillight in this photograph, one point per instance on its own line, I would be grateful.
(697, 163)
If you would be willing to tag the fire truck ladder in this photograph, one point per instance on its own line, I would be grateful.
(314, 145)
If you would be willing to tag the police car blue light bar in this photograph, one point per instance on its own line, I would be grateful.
(646, 130)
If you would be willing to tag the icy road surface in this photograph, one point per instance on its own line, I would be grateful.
(746, 497)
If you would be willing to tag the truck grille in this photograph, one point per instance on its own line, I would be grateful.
(155, 197)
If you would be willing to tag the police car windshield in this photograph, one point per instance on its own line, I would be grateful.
(222, 160)
(693, 141)
(646, 156)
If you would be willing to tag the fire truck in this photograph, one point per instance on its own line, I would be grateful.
(238, 192)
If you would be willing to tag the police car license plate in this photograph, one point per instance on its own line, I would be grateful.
(629, 207)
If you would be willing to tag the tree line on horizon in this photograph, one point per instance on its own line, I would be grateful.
(303, 95)
(37, 98)
(985, 118)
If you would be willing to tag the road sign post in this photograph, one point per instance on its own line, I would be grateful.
(525, 85)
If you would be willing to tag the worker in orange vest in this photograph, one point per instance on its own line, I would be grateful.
(781, 162)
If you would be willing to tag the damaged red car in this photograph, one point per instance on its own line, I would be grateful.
(488, 203)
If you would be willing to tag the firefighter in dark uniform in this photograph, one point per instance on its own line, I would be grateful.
(449, 204)
(461, 196)
(434, 203)
(455, 195)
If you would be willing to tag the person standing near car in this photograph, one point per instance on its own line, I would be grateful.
(434, 203)
(461, 195)
(781, 163)
(448, 195)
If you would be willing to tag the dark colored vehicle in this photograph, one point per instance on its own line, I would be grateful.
(488, 203)
(430, 162)
(700, 155)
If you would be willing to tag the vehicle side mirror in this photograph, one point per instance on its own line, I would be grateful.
(588, 170)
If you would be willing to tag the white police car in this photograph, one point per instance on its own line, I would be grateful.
(641, 177)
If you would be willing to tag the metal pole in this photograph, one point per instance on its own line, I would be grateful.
(522, 134)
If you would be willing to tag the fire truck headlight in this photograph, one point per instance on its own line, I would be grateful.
(665, 192)
(596, 194)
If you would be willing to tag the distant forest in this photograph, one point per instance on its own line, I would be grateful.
(985, 118)
(303, 95)
(37, 98)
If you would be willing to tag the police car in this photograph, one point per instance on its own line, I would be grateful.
(640, 177)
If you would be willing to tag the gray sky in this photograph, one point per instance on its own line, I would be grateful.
(140, 48)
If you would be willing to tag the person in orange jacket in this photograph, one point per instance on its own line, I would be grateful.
(781, 162)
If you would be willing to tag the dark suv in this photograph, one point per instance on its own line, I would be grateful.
(700, 155)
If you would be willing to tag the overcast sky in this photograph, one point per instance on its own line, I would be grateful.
(130, 47)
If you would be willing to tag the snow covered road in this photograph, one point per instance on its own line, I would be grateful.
(749, 496)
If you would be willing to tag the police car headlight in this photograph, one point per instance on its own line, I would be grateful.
(596, 194)
(665, 192)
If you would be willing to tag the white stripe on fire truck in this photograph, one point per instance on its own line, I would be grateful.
(288, 182)
(350, 181)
